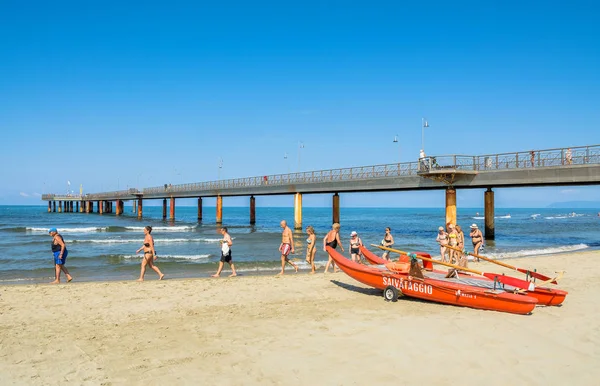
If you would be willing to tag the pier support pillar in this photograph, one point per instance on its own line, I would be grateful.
(199, 209)
(164, 208)
(252, 210)
(71, 207)
(49, 206)
(60, 207)
(90, 207)
(54, 206)
(77, 208)
(119, 207)
(101, 207)
(219, 209)
(134, 206)
(298, 211)
(122, 206)
(490, 230)
(450, 206)
(140, 208)
(172, 209)
(336, 209)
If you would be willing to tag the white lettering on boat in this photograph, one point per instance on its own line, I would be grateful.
(408, 285)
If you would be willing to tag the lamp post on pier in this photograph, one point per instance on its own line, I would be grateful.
(220, 166)
(398, 142)
(424, 124)
(300, 146)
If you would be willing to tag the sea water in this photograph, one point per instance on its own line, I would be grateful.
(102, 247)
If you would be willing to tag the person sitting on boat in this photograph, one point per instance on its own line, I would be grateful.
(442, 239)
(355, 244)
(477, 239)
(388, 241)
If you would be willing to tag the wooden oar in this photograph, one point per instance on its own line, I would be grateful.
(522, 270)
(512, 281)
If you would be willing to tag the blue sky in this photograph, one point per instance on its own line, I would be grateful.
(119, 94)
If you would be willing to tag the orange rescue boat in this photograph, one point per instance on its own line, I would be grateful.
(436, 289)
(545, 296)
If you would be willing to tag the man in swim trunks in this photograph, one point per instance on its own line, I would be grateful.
(286, 247)
(225, 253)
(59, 250)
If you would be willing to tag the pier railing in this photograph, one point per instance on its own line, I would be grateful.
(559, 157)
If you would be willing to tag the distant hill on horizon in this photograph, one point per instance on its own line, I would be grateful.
(575, 204)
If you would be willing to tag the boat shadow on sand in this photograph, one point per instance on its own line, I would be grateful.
(375, 292)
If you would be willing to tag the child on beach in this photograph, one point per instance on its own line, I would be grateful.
(149, 254)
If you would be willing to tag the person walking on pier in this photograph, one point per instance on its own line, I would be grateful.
(569, 156)
(388, 241)
(149, 254)
(311, 247)
(286, 247)
(476, 238)
(60, 252)
(225, 253)
(332, 239)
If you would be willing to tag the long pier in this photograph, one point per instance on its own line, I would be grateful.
(549, 167)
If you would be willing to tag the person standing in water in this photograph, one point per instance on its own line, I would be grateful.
(60, 252)
(332, 239)
(225, 253)
(149, 254)
(388, 241)
(286, 247)
(311, 247)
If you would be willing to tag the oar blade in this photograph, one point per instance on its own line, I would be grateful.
(537, 275)
(512, 281)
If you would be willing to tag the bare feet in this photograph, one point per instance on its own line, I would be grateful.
(233, 275)
(313, 272)
(69, 278)
(296, 267)
(215, 275)
(161, 276)
(280, 273)
(55, 282)
(140, 279)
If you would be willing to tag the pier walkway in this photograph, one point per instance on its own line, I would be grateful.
(549, 167)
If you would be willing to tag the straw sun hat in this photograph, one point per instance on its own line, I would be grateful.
(474, 226)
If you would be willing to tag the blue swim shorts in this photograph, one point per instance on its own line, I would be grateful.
(60, 261)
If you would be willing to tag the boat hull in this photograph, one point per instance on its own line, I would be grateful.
(436, 290)
(545, 296)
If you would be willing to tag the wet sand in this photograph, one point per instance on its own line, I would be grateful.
(294, 330)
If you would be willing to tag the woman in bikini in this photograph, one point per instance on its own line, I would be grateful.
(477, 239)
(388, 241)
(453, 242)
(332, 239)
(311, 247)
(462, 258)
(149, 254)
(442, 239)
(355, 244)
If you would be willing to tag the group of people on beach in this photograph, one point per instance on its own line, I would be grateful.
(452, 243)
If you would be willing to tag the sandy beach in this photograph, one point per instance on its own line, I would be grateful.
(294, 330)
